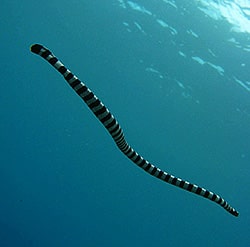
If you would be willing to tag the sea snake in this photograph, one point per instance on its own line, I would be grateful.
(115, 130)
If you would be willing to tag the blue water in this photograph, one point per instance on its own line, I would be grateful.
(176, 76)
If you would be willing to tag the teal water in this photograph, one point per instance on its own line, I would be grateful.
(176, 76)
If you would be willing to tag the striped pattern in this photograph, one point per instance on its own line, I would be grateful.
(115, 130)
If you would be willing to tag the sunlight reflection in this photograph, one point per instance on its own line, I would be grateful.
(236, 12)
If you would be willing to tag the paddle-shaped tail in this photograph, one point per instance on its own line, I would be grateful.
(115, 130)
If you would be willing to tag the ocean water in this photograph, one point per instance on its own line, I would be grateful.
(176, 76)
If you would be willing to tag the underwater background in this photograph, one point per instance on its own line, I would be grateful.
(175, 74)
